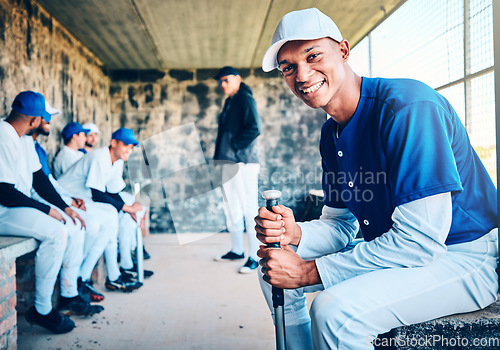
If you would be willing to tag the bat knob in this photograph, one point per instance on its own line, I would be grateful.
(271, 194)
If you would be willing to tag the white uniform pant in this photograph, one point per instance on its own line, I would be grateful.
(241, 204)
(60, 249)
(351, 314)
(127, 233)
(102, 230)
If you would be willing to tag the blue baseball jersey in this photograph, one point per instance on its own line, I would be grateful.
(42, 156)
(405, 142)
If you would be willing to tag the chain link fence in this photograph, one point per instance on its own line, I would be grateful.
(447, 44)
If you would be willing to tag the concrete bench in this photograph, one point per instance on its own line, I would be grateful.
(11, 248)
(472, 331)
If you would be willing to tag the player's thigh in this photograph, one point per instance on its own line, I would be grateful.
(105, 214)
(250, 175)
(30, 222)
(458, 282)
(232, 181)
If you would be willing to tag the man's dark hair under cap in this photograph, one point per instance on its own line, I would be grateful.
(226, 71)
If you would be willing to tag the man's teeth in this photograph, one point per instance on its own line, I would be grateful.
(313, 88)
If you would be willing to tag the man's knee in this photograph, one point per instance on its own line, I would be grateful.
(92, 230)
(54, 236)
(107, 216)
(329, 311)
(76, 236)
(320, 308)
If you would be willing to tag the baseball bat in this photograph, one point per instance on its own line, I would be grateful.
(139, 249)
(271, 198)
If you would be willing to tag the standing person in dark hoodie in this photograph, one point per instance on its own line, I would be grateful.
(237, 146)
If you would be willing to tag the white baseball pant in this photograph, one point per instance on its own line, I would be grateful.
(105, 219)
(127, 233)
(73, 256)
(240, 186)
(60, 249)
(101, 222)
(350, 314)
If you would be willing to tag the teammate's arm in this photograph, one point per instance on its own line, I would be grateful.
(46, 190)
(116, 201)
(12, 198)
(110, 198)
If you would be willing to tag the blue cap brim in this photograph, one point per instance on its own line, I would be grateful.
(128, 141)
(46, 116)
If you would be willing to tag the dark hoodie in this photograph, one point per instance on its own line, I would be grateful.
(239, 126)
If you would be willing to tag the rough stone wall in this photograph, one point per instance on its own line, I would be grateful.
(290, 158)
(39, 54)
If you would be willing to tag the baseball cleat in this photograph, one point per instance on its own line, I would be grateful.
(250, 265)
(88, 292)
(123, 283)
(53, 321)
(145, 254)
(132, 273)
(77, 306)
(229, 257)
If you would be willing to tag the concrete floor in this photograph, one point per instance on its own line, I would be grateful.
(191, 302)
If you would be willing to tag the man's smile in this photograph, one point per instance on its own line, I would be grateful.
(313, 88)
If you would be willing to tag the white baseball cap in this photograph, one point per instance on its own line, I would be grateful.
(51, 110)
(92, 127)
(308, 24)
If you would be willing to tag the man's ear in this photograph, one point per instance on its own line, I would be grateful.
(35, 122)
(345, 49)
(112, 143)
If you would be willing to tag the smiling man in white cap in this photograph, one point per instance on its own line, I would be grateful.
(417, 190)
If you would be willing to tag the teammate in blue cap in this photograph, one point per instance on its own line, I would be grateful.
(48, 219)
(99, 227)
(74, 137)
(98, 177)
(397, 164)
(32, 104)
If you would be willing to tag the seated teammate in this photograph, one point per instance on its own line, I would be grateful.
(74, 139)
(98, 175)
(53, 223)
(100, 229)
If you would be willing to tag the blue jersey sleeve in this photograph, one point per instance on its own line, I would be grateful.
(418, 145)
(42, 156)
